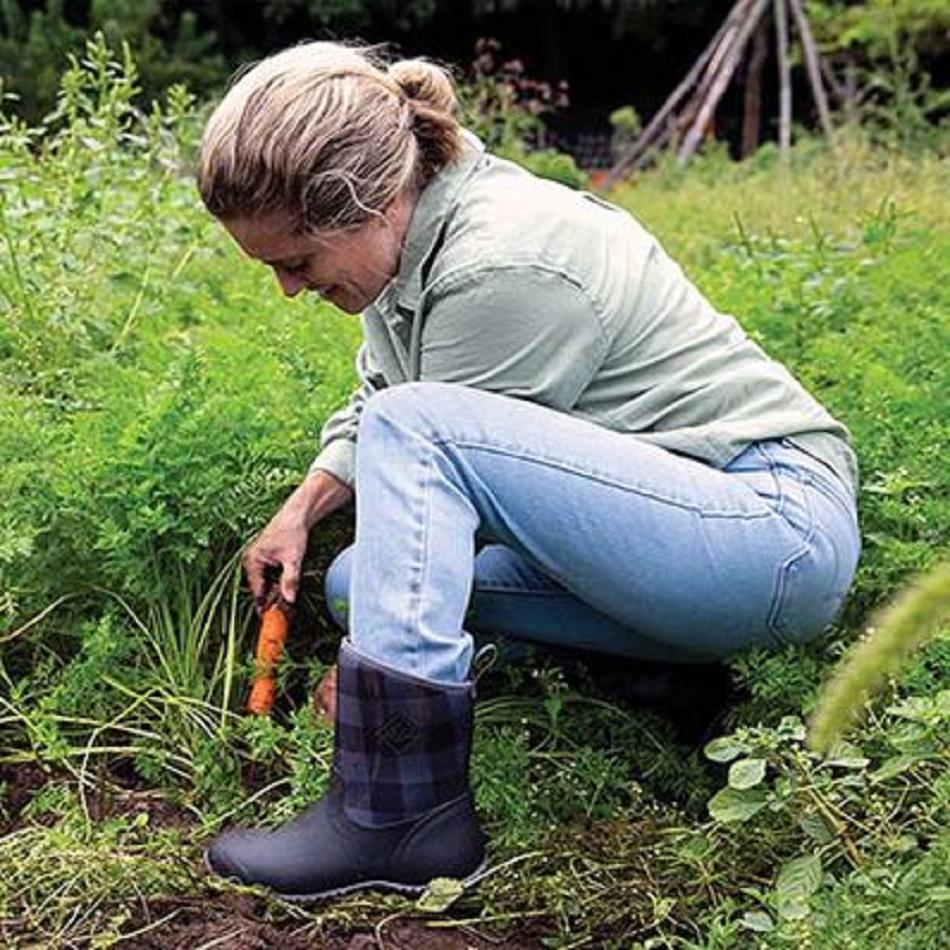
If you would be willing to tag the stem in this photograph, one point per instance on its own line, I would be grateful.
(45, 612)
(837, 826)
(18, 274)
(133, 311)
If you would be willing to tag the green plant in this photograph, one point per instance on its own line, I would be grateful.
(37, 42)
(626, 125)
(549, 163)
(919, 613)
(839, 807)
(882, 45)
(504, 107)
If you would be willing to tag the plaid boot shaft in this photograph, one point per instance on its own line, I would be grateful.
(402, 743)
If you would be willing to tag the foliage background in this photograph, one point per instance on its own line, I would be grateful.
(648, 44)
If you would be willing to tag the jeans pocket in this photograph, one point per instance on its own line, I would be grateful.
(812, 584)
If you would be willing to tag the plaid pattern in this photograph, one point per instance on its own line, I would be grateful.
(402, 743)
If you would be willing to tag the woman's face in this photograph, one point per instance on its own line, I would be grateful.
(348, 268)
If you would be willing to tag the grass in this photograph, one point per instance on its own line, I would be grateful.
(159, 399)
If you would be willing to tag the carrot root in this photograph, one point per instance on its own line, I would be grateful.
(275, 626)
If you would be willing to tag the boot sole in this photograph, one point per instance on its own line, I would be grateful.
(410, 889)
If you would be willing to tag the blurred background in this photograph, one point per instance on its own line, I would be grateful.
(574, 63)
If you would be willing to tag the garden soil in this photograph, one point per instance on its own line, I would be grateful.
(229, 921)
(233, 923)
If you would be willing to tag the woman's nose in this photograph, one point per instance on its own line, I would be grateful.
(290, 284)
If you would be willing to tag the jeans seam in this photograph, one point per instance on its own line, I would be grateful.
(531, 591)
(416, 588)
(781, 581)
(575, 470)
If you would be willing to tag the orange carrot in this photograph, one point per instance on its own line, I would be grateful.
(275, 625)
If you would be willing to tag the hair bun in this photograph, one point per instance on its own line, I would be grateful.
(424, 82)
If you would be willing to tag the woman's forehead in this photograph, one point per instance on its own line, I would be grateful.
(269, 237)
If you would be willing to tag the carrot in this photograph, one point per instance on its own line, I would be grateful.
(275, 625)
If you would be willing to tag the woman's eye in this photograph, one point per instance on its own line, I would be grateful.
(290, 267)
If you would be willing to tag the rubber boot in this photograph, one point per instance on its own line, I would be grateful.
(399, 810)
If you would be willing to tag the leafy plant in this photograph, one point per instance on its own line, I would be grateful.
(504, 107)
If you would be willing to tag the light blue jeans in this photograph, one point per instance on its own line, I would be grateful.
(589, 538)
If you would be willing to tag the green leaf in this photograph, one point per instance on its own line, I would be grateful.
(800, 877)
(746, 773)
(797, 880)
(847, 756)
(440, 895)
(904, 843)
(793, 909)
(914, 708)
(757, 920)
(724, 749)
(894, 766)
(730, 804)
(816, 827)
(791, 727)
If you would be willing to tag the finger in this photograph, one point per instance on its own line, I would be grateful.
(290, 581)
(254, 569)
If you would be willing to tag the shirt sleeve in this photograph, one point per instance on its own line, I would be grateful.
(520, 330)
(338, 435)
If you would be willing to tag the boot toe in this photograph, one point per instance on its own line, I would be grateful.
(232, 854)
(262, 857)
(304, 858)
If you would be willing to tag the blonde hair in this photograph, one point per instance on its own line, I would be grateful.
(326, 133)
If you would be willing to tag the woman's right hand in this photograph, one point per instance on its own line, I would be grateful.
(276, 554)
(278, 551)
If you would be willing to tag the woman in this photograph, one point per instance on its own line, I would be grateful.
(537, 375)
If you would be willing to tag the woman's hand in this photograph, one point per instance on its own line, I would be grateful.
(278, 551)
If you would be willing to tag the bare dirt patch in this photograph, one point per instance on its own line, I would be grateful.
(236, 922)
(20, 782)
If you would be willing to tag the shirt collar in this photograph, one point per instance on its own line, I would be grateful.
(432, 208)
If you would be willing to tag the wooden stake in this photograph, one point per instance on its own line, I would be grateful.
(720, 55)
(657, 125)
(784, 78)
(752, 107)
(812, 59)
(834, 86)
(723, 48)
(719, 85)
(660, 142)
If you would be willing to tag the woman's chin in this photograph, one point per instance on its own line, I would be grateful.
(348, 299)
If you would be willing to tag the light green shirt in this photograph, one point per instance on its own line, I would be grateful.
(518, 285)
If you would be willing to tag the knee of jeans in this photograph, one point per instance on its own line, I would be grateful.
(408, 405)
(494, 566)
(336, 586)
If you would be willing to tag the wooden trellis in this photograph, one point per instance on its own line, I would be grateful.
(683, 119)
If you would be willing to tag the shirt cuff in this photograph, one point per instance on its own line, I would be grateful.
(339, 459)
